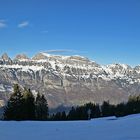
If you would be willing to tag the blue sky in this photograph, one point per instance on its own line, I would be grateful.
(107, 31)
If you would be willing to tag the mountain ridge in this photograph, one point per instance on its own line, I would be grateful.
(69, 80)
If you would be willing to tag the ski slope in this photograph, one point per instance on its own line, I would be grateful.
(110, 128)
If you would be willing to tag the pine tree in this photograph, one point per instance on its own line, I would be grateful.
(121, 110)
(29, 105)
(63, 116)
(13, 110)
(106, 109)
(72, 114)
(41, 110)
(57, 116)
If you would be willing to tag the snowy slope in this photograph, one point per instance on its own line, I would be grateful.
(126, 128)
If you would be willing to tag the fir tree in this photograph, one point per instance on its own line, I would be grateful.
(107, 109)
(13, 110)
(64, 116)
(41, 107)
(29, 105)
(72, 114)
(121, 110)
(57, 116)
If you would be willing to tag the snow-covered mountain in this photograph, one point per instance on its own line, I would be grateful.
(68, 80)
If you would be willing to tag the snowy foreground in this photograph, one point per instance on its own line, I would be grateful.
(125, 128)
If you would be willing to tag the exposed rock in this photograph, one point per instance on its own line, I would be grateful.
(21, 57)
(39, 56)
(2, 103)
(6, 59)
(70, 80)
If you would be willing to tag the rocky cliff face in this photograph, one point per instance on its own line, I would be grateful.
(69, 80)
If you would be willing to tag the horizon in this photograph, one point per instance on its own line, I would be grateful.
(58, 54)
(104, 31)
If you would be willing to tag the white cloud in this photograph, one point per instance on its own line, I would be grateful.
(23, 24)
(2, 23)
(61, 51)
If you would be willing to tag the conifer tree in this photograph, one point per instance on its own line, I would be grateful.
(41, 110)
(64, 116)
(57, 116)
(29, 105)
(13, 110)
(72, 114)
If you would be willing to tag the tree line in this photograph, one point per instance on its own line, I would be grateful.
(23, 105)
(104, 110)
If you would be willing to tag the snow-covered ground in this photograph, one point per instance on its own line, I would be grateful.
(125, 128)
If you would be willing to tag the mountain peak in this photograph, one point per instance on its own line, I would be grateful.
(21, 57)
(5, 57)
(39, 56)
